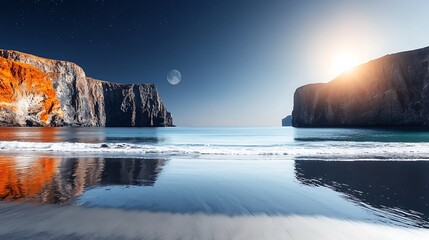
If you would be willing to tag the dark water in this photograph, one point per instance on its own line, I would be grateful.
(352, 175)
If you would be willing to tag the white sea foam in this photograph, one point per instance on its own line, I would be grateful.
(329, 150)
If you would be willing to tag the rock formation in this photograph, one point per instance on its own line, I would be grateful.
(27, 96)
(83, 101)
(287, 121)
(389, 91)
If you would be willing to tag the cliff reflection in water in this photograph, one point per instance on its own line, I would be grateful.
(57, 180)
(401, 188)
(86, 135)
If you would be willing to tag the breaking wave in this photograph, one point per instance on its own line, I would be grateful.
(326, 150)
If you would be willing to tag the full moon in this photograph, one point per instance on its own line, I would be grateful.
(174, 76)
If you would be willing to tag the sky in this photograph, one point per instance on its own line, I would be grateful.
(240, 61)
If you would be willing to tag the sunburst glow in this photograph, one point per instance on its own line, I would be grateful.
(344, 62)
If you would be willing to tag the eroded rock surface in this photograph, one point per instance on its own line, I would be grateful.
(389, 91)
(27, 97)
(85, 101)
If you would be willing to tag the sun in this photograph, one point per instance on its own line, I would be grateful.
(344, 62)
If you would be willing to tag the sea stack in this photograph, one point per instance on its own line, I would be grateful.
(287, 121)
(41, 92)
(392, 91)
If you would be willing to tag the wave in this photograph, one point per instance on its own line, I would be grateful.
(343, 150)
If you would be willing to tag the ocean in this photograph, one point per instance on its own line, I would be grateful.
(214, 183)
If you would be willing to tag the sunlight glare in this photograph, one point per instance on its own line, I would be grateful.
(344, 62)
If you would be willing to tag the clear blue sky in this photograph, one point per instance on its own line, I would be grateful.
(241, 61)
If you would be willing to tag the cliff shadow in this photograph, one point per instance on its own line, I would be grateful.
(124, 106)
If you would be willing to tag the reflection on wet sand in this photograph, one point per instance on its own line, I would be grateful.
(400, 188)
(56, 180)
(34, 182)
(132, 171)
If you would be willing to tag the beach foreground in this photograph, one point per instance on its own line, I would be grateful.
(22, 221)
(213, 183)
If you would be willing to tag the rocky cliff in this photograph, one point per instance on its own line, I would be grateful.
(389, 91)
(27, 96)
(81, 101)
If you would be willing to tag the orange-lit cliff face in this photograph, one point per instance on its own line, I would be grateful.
(43, 92)
(27, 95)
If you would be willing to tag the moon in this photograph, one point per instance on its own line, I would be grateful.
(174, 77)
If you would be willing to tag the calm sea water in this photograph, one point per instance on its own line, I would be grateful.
(364, 176)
